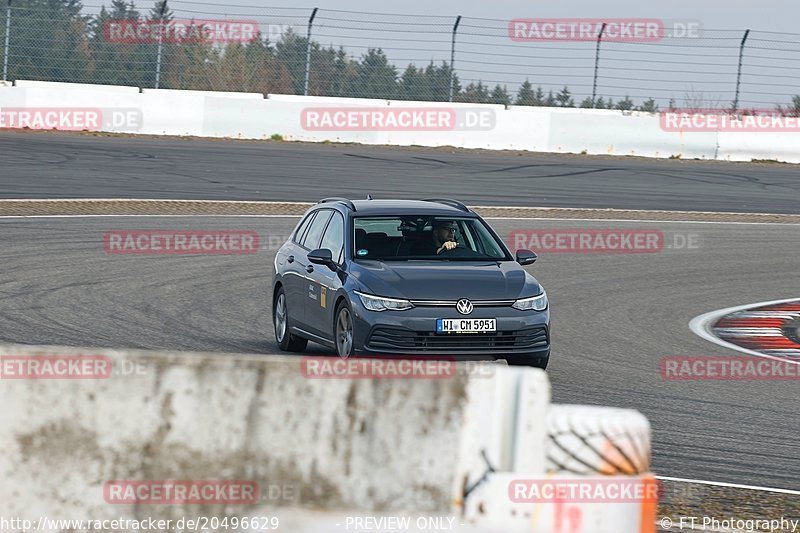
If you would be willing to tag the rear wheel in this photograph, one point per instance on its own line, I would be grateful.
(280, 319)
(344, 330)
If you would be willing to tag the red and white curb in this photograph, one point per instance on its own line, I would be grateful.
(764, 329)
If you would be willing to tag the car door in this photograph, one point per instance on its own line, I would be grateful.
(308, 291)
(319, 310)
(293, 275)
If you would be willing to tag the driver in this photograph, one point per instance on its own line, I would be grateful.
(442, 239)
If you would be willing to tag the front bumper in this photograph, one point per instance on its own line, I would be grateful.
(414, 332)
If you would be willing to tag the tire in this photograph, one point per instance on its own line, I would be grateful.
(342, 335)
(280, 320)
(535, 362)
(593, 441)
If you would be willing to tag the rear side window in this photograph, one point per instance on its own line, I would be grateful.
(333, 239)
(314, 233)
(298, 235)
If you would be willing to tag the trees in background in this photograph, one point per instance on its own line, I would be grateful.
(52, 41)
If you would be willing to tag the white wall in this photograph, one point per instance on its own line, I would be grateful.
(539, 129)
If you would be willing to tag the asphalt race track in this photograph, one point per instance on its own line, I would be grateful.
(615, 316)
(40, 165)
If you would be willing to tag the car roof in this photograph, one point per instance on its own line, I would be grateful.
(405, 207)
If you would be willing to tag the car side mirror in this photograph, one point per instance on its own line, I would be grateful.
(526, 257)
(322, 256)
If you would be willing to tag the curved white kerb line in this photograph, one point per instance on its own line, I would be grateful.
(701, 326)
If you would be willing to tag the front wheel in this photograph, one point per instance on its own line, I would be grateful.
(280, 319)
(344, 331)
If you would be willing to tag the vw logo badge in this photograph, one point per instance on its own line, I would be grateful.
(464, 306)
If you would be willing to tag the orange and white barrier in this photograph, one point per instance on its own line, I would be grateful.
(528, 466)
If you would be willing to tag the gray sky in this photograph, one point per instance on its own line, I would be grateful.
(768, 15)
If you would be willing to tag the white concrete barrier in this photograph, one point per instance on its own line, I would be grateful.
(83, 87)
(329, 100)
(216, 94)
(172, 113)
(540, 129)
(49, 106)
(596, 131)
(771, 146)
(338, 443)
(489, 438)
(445, 446)
(250, 119)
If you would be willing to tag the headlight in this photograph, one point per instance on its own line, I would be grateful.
(379, 303)
(536, 303)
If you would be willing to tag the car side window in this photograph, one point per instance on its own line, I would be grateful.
(333, 239)
(301, 229)
(487, 244)
(314, 233)
(468, 237)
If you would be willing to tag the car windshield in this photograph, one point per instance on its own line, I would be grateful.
(425, 238)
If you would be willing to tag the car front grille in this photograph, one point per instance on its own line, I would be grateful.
(384, 338)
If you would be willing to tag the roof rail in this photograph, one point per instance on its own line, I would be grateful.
(448, 201)
(344, 201)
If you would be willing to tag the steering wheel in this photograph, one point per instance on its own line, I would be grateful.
(459, 251)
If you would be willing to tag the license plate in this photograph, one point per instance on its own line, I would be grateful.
(466, 325)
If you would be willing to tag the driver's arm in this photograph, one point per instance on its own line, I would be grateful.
(449, 245)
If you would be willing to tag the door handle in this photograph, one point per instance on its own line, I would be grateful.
(310, 269)
(290, 259)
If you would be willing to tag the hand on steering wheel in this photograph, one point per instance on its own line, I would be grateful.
(449, 245)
